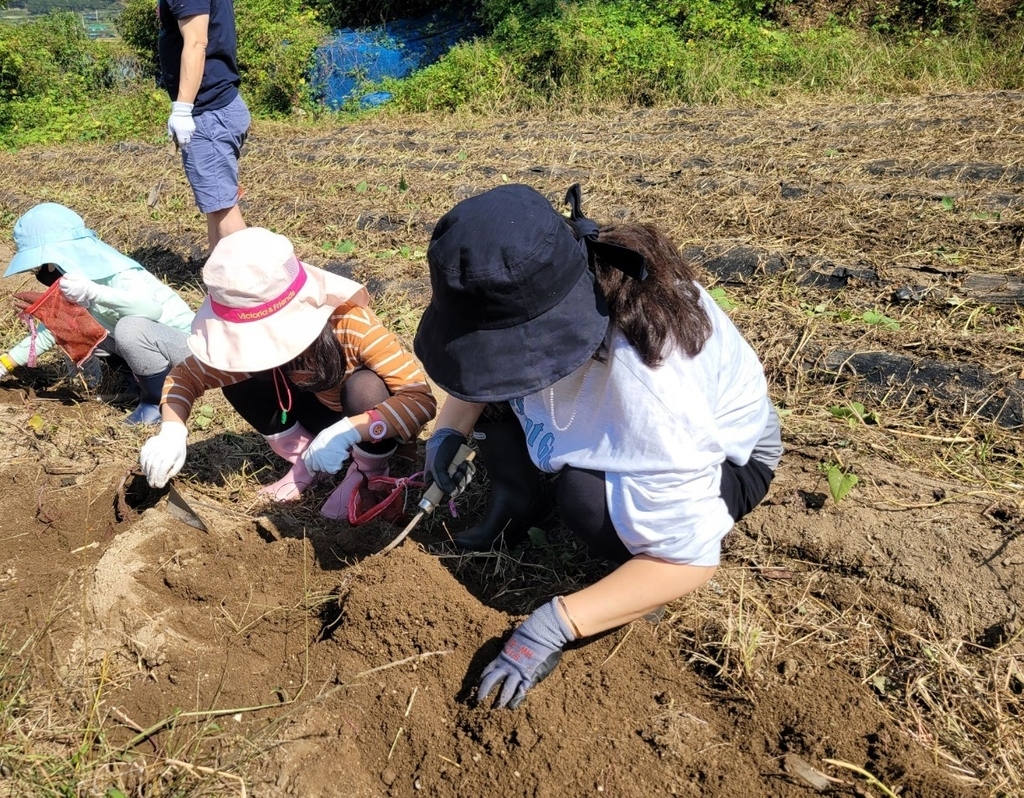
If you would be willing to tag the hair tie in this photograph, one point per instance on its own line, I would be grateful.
(626, 260)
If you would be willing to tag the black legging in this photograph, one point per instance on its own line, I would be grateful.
(583, 507)
(256, 400)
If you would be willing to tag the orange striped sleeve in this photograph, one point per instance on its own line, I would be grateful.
(369, 344)
(190, 379)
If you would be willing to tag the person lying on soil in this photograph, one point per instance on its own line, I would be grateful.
(147, 322)
(300, 355)
(591, 353)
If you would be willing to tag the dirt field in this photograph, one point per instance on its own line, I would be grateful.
(871, 646)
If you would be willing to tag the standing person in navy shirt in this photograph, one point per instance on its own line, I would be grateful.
(209, 119)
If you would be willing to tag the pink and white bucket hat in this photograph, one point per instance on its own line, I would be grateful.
(264, 306)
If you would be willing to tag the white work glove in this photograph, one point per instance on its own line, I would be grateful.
(3, 371)
(180, 124)
(163, 455)
(79, 289)
(330, 448)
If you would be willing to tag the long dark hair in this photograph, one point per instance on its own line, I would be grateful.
(661, 310)
(321, 365)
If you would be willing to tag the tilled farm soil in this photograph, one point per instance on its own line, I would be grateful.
(870, 253)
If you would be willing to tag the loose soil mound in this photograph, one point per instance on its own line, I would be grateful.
(880, 632)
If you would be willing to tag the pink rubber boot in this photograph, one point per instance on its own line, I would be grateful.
(363, 466)
(290, 445)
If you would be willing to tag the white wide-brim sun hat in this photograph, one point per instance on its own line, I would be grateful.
(264, 306)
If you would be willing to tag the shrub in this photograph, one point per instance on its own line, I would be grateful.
(51, 54)
(473, 75)
(276, 41)
(56, 84)
(355, 13)
(139, 27)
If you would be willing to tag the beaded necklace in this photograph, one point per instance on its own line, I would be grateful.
(575, 404)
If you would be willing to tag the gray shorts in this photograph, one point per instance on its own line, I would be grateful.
(211, 158)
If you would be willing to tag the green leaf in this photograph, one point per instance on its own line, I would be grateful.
(113, 792)
(840, 482)
(722, 298)
(344, 247)
(948, 204)
(538, 537)
(853, 412)
(361, 186)
(402, 185)
(880, 319)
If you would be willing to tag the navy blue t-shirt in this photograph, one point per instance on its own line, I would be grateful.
(220, 75)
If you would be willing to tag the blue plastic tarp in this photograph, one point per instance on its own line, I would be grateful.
(353, 58)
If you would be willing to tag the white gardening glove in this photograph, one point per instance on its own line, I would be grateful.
(180, 124)
(3, 371)
(330, 448)
(79, 289)
(163, 455)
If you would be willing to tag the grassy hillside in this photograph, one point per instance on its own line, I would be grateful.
(57, 85)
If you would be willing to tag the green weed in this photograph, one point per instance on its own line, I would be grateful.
(854, 413)
(840, 481)
(879, 319)
(722, 298)
(345, 247)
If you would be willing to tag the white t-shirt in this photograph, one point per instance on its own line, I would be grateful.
(660, 435)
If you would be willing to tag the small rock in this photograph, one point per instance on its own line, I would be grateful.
(388, 777)
(476, 757)
(417, 785)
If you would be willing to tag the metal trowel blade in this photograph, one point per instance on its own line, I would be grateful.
(180, 509)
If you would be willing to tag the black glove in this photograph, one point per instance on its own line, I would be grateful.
(441, 450)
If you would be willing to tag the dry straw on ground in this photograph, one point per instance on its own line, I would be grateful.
(812, 219)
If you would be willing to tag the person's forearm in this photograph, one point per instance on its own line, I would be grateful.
(171, 413)
(632, 590)
(193, 56)
(19, 353)
(124, 304)
(457, 414)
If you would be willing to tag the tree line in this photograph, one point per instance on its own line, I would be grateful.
(40, 7)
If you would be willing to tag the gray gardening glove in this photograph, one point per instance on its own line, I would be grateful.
(441, 449)
(529, 655)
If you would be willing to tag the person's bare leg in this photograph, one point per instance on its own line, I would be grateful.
(223, 223)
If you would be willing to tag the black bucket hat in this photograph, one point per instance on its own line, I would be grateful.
(515, 306)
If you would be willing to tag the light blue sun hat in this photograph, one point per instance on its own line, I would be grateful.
(51, 233)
